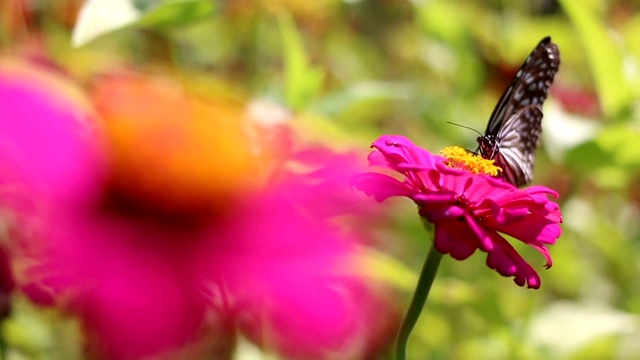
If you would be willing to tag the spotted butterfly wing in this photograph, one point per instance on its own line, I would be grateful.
(514, 128)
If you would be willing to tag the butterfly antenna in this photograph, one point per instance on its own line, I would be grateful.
(466, 127)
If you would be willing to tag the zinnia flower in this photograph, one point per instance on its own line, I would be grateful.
(151, 220)
(469, 209)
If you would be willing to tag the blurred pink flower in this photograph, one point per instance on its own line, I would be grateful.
(469, 211)
(148, 278)
(289, 277)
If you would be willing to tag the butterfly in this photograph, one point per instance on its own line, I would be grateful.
(513, 131)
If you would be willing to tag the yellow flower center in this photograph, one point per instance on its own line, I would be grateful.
(460, 158)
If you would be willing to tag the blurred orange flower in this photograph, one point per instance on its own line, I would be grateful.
(201, 147)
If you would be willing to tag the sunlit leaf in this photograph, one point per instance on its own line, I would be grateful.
(302, 80)
(564, 328)
(632, 60)
(623, 143)
(99, 17)
(604, 57)
(385, 267)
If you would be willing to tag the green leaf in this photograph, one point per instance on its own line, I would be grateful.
(586, 157)
(623, 145)
(176, 12)
(361, 93)
(605, 59)
(302, 80)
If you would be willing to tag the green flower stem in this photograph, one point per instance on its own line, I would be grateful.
(428, 273)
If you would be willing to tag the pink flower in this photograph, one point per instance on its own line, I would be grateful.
(175, 255)
(469, 211)
(291, 279)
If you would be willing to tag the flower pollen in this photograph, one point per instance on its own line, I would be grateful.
(459, 158)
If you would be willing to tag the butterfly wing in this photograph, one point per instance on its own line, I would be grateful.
(518, 140)
(529, 86)
(513, 130)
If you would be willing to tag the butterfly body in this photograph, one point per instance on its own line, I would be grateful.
(513, 130)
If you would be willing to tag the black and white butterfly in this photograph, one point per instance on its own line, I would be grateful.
(514, 128)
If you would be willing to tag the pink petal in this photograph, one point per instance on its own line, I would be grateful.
(533, 230)
(484, 237)
(402, 155)
(507, 262)
(131, 282)
(436, 199)
(452, 237)
(376, 158)
(543, 191)
(315, 310)
(47, 134)
(380, 186)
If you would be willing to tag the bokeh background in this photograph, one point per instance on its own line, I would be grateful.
(339, 73)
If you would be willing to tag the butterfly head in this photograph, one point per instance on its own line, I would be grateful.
(488, 146)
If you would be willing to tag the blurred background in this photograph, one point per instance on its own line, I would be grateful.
(340, 73)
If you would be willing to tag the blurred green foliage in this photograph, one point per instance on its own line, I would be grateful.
(353, 70)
